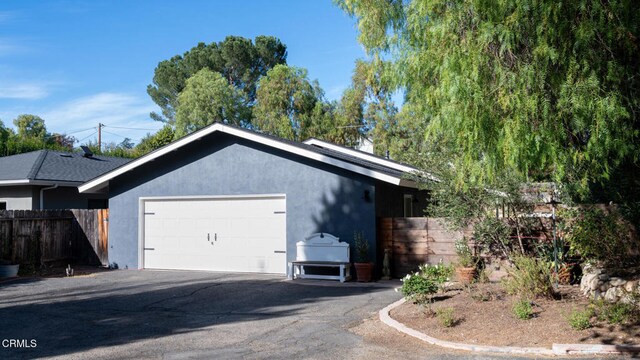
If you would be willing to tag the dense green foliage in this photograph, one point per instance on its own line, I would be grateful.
(286, 101)
(32, 135)
(546, 89)
(208, 98)
(600, 236)
(240, 61)
(151, 142)
(421, 285)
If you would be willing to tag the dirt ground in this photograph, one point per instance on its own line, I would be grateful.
(483, 314)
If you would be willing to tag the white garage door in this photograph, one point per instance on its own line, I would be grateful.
(243, 234)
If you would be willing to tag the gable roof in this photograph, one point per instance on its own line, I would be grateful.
(48, 167)
(335, 158)
(361, 155)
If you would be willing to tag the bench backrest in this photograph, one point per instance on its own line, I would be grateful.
(322, 247)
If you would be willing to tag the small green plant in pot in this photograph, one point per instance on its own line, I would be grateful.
(362, 264)
(466, 264)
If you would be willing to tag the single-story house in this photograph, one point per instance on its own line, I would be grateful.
(47, 179)
(230, 199)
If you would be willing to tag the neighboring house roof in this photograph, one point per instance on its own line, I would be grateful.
(48, 167)
(339, 159)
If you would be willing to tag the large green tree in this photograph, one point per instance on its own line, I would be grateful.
(30, 126)
(542, 88)
(240, 61)
(285, 104)
(208, 98)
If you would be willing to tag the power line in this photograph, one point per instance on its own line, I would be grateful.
(84, 138)
(107, 132)
(79, 131)
(128, 128)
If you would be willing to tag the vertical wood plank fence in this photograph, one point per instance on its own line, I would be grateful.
(46, 237)
(416, 241)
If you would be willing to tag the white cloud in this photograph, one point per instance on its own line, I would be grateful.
(28, 91)
(115, 110)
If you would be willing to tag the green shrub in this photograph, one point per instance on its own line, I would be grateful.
(580, 320)
(418, 288)
(420, 285)
(618, 313)
(446, 316)
(599, 236)
(522, 309)
(530, 278)
(439, 273)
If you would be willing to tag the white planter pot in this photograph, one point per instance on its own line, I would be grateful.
(9, 270)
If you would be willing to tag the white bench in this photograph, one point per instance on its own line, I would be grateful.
(321, 250)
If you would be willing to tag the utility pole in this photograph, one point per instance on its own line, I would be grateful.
(100, 126)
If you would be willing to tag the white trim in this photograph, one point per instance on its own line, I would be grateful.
(360, 154)
(213, 197)
(370, 157)
(143, 200)
(37, 182)
(101, 180)
(14, 182)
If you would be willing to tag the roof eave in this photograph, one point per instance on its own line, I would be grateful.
(103, 180)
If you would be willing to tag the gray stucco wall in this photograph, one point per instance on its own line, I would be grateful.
(17, 197)
(65, 198)
(320, 198)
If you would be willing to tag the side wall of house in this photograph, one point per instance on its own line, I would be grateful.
(17, 197)
(319, 197)
(390, 200)
(67, 198)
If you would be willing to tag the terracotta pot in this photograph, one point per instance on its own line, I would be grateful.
(466, 274)
(363, 271)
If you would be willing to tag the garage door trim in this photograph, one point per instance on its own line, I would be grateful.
(143, 200)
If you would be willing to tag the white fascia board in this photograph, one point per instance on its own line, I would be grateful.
(14, 182)
(361, 155)
(36, 182)
(101, 180)
(371, 158)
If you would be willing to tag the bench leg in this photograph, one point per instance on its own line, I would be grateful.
(341, 273)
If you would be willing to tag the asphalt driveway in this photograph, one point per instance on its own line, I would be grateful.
(180, 315)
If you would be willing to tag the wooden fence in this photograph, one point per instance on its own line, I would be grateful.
(44, 237)
(416, 241)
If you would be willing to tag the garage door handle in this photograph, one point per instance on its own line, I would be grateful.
(279, 252)
(149, 248)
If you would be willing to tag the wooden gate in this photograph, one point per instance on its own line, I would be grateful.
(416, 241)
(39, 237)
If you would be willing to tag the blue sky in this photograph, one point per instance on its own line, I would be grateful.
(76, 63)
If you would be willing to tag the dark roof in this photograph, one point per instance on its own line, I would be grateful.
(52, 166)
(331, 153)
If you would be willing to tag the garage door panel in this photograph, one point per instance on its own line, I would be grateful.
(239, 234)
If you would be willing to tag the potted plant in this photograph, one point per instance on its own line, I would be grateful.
(362, 264)
(466, 264)
(8, 269)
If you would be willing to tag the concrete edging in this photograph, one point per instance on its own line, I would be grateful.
(556, 349)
